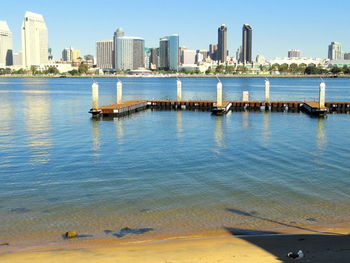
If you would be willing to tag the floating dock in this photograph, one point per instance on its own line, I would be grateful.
(131, 106)
(314, 108)
(218, 106)
(120, 109)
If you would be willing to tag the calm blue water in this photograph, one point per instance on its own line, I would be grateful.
(174, 173)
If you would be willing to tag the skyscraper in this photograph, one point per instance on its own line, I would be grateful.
(334, 51)
(66, 55)
(239, 54)
(34, 40)
(129, 53)
(118, 33)
(154, 61)
(222, 44)
(247, 34)
(213, 51)
(169, 52)
(163, 53)
(6, 58)
(173, 51)
(104, 54)
(70, 54)
(74, 54)
(188, 57)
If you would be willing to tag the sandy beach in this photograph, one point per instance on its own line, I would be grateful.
(264, 247)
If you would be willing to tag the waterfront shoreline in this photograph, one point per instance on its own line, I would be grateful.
(263, 247)
(183, 76)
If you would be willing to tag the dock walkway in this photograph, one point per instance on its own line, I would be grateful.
(131, 106)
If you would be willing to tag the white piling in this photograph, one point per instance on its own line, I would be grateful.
(322, 94)
(245, 96)
(94, 88)
(267, 90)
(179, 90)
(119, 92)
(219, 94)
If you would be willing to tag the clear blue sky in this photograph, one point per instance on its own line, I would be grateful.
(278, 25)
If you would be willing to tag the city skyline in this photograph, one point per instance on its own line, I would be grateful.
(273, 39)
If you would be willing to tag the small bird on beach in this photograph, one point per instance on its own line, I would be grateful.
(298, 255)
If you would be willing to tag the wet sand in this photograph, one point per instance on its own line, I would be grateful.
(240, 246)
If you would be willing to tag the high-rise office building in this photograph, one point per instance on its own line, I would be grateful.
(213, 51)
(239, 54)
(294, 53)
(222, 44)
(154, 58)
(50, 57)
(173, 51)
(17, 59)
(247, 35)
(188, 56)
(70, 54)
(118, 33)
(347, 56)
(180, 54)
(129, 53)
(74, 54)
(204, 54)
(169, 52)
(104, 54)
(34, 40)
(163, 53)
(6, 56)
(66, 55)
(334, 51)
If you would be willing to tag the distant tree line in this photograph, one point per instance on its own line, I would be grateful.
(284, 69)
(82, 69)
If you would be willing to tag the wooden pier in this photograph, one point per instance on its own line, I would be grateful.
(131, 106)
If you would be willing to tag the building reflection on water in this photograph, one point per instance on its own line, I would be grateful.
(38, 126)
(95, 134)
(218, 134)
(245, 119)
(266, 128)
(321, 136)
(119, 126)
(179, 127)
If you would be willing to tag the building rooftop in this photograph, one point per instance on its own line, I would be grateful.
(4, 27)
(131, 37)
(34, 16)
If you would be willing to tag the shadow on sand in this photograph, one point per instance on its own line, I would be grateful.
(128, 231)
(318, 246)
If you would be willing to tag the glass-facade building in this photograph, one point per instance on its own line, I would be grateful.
(169, 52)
(334, 51)
(222, 44)
(173, 51)
(247, 35)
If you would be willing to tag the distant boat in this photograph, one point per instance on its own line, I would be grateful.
(63, 76)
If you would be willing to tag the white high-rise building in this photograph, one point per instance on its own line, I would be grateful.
(104, 54)
(188, 57)
(17, 59)
(129, 53)
(6, 58)
(34, 40)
